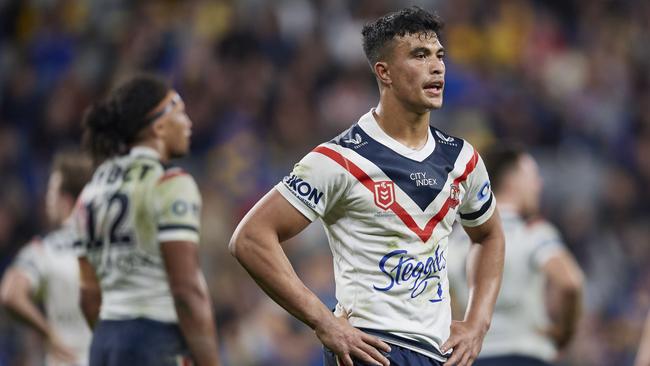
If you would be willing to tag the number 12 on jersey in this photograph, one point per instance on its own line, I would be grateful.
(109, 215)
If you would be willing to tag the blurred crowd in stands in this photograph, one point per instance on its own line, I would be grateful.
(266, 81)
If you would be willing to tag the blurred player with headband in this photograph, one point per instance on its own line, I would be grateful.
(138, 222)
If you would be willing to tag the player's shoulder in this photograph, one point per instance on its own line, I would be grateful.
(173, 174)
(176, 181)
(33, 247)
(541, 228)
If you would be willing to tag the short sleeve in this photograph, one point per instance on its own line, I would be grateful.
(315, 185)
(547, 242)
(479, 203)
(31, 261)
(77, 223)
(178, 207)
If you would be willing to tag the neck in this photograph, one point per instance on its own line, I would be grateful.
(408, 127)
(156, 145)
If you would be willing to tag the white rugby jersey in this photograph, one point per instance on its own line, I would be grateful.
(387, 211)
(132, 205)
(520, 315)
(53, 272)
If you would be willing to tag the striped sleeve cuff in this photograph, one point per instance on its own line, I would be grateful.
(480, 216)
(178, 232)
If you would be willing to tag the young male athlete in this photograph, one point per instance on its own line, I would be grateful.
(538, 308)
(46, 269)
(138, 223)
(387, 191)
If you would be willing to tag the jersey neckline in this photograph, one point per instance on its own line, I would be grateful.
(144, 151)
(369, 125)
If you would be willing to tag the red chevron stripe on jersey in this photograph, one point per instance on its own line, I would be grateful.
(407, 219)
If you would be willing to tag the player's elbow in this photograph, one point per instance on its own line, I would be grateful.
(189, 298)
(575, 282)
(241, 242)
(6, 294)
(572, 282)
(12, 293)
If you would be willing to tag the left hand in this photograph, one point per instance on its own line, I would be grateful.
(466, 339)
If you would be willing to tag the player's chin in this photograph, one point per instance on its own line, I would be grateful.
(434, 103)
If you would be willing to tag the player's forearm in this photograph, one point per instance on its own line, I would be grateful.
(269, 266)
(570, 306)
(485, 270)
(196, 321)
(24, 308)
(90, 303)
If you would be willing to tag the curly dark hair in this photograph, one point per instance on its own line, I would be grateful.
(413, 20)
(113, 124)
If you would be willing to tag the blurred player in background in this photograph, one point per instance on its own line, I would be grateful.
(387, 191)
(539, 305)
(46, 269)
(138, 220)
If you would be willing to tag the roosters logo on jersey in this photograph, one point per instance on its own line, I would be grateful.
(454, 196)
(404, 270)
(303, 190)
(384, 194)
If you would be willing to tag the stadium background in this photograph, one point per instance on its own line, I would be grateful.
(265, 81)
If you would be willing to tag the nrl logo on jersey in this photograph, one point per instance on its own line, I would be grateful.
(384, 194)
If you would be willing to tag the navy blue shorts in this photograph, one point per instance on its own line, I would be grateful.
(398, 355)
(510, 361)
(141, 342)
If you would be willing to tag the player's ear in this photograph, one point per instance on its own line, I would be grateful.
(383, 73)
(158, 127)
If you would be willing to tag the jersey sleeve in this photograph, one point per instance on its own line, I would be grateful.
(547, 242)
(314, 186)
(178, 207)
(78, 225)
(31, 262)
(479, 203)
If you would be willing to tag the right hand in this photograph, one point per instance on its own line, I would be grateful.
(349, 343)
(60, 352)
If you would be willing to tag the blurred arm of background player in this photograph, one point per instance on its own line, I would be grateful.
(643, 356)
(564, 296)
(256, 245)
(16, 295)
(191, 299)
(91, 295)
(484, 272)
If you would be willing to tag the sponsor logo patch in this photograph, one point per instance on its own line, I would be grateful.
(401, 269)
(303, 190)
(454, 196)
